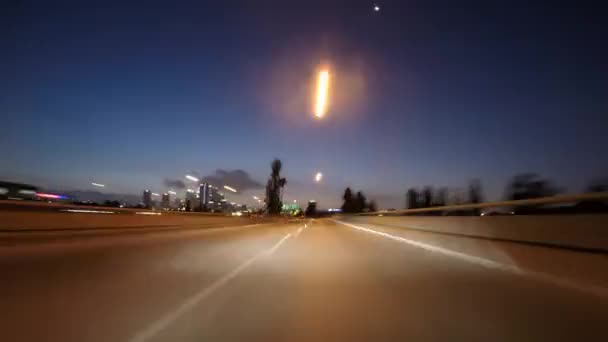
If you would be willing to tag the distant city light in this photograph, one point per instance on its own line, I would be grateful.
(147, 213)
(190, 190)
(192, 178)
(98, 185)
(172, 192)
(256, 198)
(318, 177)
(229, 188)
(322, 90)
(27, 192)
(376, 8)
(53, 196)
(295, 201)
(155, 194)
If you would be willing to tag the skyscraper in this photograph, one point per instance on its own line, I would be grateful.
(165, 202)
(147, 199)
(204, 196)
(191, 202)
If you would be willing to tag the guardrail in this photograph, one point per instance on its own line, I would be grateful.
(583, 231)
(593, 196)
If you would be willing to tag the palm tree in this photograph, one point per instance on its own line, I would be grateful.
(274, 188)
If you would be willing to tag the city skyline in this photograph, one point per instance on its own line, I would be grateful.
(420, 96)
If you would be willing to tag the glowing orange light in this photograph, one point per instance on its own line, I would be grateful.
(322, 90)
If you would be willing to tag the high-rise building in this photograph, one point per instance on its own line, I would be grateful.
(204, 196)
(147, 199)
(165, 201)
(191, 202)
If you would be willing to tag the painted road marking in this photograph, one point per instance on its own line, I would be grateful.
(545, 277)
(191, 302)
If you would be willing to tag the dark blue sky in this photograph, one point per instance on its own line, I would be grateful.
(423, 92)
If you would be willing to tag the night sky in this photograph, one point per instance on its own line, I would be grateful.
(423, 93)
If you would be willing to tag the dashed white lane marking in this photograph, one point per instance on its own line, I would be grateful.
(545, 277)
(191, 302)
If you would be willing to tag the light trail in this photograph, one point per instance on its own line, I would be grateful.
(322, 90)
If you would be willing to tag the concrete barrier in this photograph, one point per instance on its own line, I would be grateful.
(46, 221)
(589, 232)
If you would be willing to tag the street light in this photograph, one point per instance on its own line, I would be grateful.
(192, 178)
(322, 90)
(229, 188)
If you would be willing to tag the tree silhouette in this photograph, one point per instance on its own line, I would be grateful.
(427, 197)
(598, 185)
(412, 199)
(371, 206)
(348, 205)
(311, 209)
(526, 186)
(441, 197)
(360, 202)
(529, 185)
(475, 194)
(274, 188)
(594, 206)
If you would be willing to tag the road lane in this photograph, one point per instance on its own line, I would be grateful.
(104, 291)
(325, 282)
(334, 283)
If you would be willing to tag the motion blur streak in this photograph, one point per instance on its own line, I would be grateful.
(43, 195)
(88, 211)
(229, 188)
(192, 178)
(146, 213)
(322, 88)
(99, 185)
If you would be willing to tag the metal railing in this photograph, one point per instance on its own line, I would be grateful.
(593, 196)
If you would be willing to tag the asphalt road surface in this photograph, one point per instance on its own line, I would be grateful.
(300, 281)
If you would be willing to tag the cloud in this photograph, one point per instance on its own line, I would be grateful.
(237, 179)
(174, 184)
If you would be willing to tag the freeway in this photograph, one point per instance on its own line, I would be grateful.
(307, 280)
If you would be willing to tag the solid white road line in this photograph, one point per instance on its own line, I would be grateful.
(191, 302)
(545, 277)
